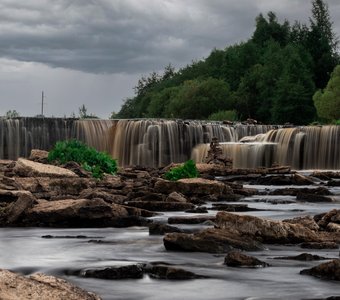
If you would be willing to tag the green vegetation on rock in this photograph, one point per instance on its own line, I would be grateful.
(89, 158)
(187, 170)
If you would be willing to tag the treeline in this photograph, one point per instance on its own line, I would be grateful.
(272, 77)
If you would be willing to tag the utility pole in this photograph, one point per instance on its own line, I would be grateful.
(42, 104)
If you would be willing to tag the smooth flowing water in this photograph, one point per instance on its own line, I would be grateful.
(24, 250)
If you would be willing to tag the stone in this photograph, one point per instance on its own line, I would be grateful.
(331, 216)
(238, 259)
(16, 210)
(176, 197)
(28, 168)
(190, 220)
(295, 191)
(160, 205)
(313, 198)
(170, 273)
(319, 245)
(303, 257)
(333, 227)
(38, 155)
(115, 272)
(266, 230)
(161, 229)
(306, 221)
(328, 270)
(39, 286)
(210, 240)
(193, 186)
(74, 213)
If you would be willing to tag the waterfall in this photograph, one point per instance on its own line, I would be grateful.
(310, 147)
(159, 142)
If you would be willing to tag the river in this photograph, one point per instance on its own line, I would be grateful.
(24, 250)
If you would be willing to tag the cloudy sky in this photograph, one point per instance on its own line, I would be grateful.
(92, 52)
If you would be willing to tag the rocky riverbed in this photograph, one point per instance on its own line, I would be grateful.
(221, 218)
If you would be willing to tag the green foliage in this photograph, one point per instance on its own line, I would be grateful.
(90, 159)
(327, 102)
(187, 170)
(11, 114)
(84, 115)
(270, 78)
(223, 115)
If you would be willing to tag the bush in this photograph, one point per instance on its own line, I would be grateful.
(90, 159)
(223, 115)
(188, 170)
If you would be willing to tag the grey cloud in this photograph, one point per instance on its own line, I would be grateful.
(128, 36)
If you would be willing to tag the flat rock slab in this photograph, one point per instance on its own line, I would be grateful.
(38, 287)
(25, 167)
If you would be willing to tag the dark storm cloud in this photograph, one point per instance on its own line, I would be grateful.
(132, 36)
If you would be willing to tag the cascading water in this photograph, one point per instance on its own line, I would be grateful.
(311, 147)
(160, 142)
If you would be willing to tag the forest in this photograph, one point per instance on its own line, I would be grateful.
(284, 73)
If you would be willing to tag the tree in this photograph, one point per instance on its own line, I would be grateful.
(327, 102)
(84, 115)
(322, 43)
(11, 114)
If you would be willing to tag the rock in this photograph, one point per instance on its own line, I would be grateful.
(295, 191)
(176, 197)
(332, 216)
(28, 168)
(232, 207)
(265, 230)
(190, 220)
(116, 272)
(161, 229)
(306, 221)
(326, 175)
(320, 245)
(39, 286)
(313, 198)
(16, 210)
(107, 195)
(333, 183)
(198, 210)
(294, 179)
(39, 156)
(193, 186)
(167, 272)
(333, 227)
(77, 169)
(160, 205)
(74, 213)
(328, 270)
(210, 240)
(303, 257)
(238, 259)
(9, 196)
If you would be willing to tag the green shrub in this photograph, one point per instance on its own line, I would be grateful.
(90, 159)
(188, 170)
(223, 115)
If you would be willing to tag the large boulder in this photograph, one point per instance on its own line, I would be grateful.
(38, 155)
(39, 286)
(193, 186)
(74, 213)
(265, 230)
(210, 240)
(238, 259)
(28, 168)
(328, 270)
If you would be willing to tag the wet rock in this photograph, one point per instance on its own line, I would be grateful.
(296, 191)
(319, 245)
(332, 216)
(170, 273)
(38, 155)
(210, 240)
(193, 186)
(48, 236)
(15, 211)
(39, 286)
(161, 229)
(294, 179)
(116, 272)
(176, 197)
(313, 198)
(333, 227)
(333, 183)
(28, 168)
(190, 220)
(303, 257)
(160, 205)
(306, 221)
(266, 230)
(231, 207)
(326, 175)
(74, 213)
(238, 259)
(328, 270)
